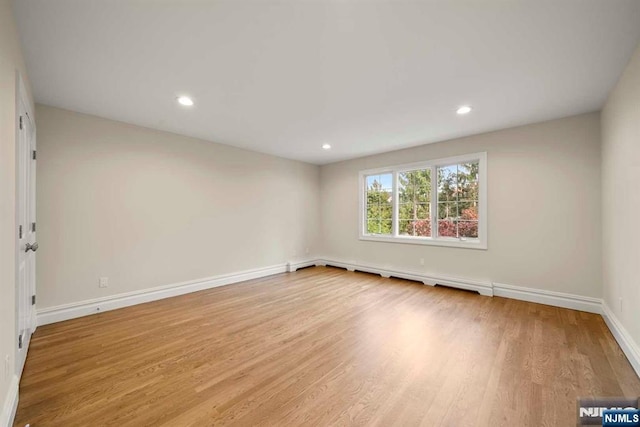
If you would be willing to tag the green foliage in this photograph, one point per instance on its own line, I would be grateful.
(414, 193)
(379, 209)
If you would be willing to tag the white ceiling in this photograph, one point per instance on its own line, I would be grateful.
(284, 77)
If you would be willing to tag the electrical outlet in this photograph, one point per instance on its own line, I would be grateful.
(421, 261)
(7, 364)
(620, 300)
(103, 282)
(306, 251)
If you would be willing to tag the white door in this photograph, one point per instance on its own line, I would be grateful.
(27, 246)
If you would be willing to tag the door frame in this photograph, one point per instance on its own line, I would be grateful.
(22, 103)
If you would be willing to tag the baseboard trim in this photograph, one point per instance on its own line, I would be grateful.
(629, 347)
(540, 296)
(98, 305)
(556, 299)
(483, 288)
(10, 403)
(295, 265)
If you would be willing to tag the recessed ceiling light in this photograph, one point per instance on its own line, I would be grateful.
(185, 100)
(465, 109)
(326, 146)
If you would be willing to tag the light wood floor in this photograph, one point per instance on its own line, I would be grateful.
(318, 347)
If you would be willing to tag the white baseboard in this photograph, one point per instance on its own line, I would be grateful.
(98, 305)
(556, 299)
(540, 296)
(10, 403)
(483, 288)
(622, 336)
(295, 265)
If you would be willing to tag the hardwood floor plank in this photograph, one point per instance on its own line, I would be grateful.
(322, 346)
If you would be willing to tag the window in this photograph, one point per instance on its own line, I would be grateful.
(439, 202)
(379, 204)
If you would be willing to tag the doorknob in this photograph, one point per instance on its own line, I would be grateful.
(33, 247)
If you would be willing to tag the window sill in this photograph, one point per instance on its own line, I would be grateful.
(452, 243)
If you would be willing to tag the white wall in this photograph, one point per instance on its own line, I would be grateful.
(147, 208)
(621, 199)
(544, 209)
(10, 61)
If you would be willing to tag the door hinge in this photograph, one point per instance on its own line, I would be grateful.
(20, 341)
(20, 232)
(20, 122)
(33, 300)
(33, 227)
(33, 156)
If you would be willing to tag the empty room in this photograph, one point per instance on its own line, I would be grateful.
(319, 213)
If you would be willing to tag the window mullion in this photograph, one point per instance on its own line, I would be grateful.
(363, 205)
(394, 201)
(434, 202)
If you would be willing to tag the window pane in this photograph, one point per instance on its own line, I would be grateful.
(403, 194)
(423, 210)
(414, 212)
(468, 210)
(447, 183)
(380, 182)
(405, 227)
(467, 181)
(448, 210)
(414, 194)
(458, 194)
(371, 181)
(422, 228)
(404, 211)
(447, 228)
(387, 181)
(468, 229)
(379, 203)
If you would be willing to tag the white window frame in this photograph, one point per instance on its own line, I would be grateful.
(479, 243)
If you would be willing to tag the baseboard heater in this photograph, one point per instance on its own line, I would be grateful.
(470, 291)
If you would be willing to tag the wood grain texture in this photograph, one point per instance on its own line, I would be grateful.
(322, 346)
